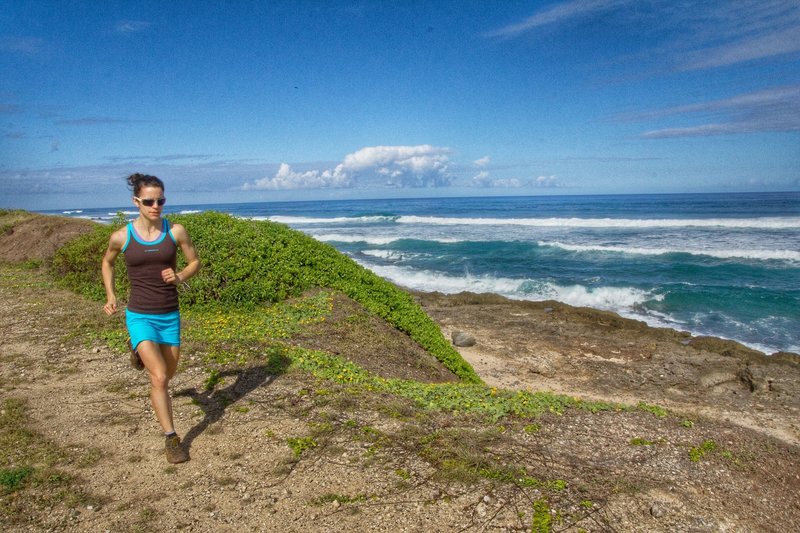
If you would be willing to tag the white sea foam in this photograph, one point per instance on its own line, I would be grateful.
(762, 255)
(751, 223)
(435, 281)
(76, 211)
(626, 301)
(373, 219)
(391, 255)
(370, 239)
(383, 254)
(610, 298)
(190, 211)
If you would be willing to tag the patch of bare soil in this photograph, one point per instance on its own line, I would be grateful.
(276, 450)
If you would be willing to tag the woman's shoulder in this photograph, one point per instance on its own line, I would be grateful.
(178, 231)
(118, 237)
(174, 226)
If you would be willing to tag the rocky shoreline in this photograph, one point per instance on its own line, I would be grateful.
(599, 355)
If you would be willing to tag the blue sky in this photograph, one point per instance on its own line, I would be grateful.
(267, 101)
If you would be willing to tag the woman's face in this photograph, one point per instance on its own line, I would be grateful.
(147, 193)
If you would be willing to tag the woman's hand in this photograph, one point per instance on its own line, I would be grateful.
(171, 277)
(111, 306)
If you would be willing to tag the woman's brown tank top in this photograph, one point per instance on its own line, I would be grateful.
(145, 260)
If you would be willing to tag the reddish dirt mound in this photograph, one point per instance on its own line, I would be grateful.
(29, 236)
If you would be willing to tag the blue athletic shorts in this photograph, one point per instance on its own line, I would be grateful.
(161, 329)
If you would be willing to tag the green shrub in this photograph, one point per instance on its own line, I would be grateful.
(249, 262)
(76, 265)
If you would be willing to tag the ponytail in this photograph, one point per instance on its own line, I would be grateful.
(137, 181)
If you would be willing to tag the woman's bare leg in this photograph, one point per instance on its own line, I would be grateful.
(171, 355)
(161, 362)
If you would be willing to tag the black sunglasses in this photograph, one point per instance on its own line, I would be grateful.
(148, 202)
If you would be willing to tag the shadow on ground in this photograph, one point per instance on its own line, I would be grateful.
(214, 402)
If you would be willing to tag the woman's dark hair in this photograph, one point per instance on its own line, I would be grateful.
(137, 181)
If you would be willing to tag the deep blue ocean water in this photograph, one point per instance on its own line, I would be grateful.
(726, 265)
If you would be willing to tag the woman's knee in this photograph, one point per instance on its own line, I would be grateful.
(159, 379)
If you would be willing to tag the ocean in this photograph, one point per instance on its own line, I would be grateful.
(726, 265)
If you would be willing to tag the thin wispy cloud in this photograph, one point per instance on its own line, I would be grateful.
(21, 45)
(96, 121)
(159, 158)
(770, 110)
(132, 26)
(558, 14)
(749, 49)
(702, 36)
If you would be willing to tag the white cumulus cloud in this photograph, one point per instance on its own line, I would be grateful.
(482, 162)
(484, 180)
(286, 178)
(395, 166)
(402, 166)
(546, 182)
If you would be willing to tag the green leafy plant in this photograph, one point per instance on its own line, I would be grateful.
(12, 479)
(300, 445)
(214, 378)
(542, 520)
(655, 410)
(696, 453)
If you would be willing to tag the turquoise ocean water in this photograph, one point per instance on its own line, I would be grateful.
(726, 265)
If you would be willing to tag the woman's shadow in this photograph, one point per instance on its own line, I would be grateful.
(213, 402)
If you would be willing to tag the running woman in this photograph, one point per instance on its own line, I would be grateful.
(150, 245)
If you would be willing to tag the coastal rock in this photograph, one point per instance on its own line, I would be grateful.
(542, 364)
(462, 340)
(712, 379)
(658, 509)
(755, 383)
